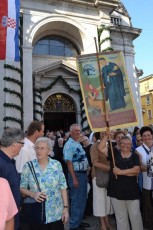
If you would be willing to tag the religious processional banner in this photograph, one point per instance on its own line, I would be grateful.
(106, 90)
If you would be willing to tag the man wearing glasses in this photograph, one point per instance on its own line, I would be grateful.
(11, 144)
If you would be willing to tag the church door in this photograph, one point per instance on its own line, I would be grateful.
(59, 112)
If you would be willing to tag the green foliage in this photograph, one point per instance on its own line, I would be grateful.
(11, 105)
(37, 95)
(13, 119)
(37, 103)
(12, 67)
(106, 39)
(6, 90)
(60, 78)
(100, 30)
(13, 80)
(108, 49)
(37, 111)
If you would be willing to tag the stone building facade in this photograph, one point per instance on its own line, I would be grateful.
(146, 93)
(49, 86)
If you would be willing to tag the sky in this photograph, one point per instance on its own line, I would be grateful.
(140, 12)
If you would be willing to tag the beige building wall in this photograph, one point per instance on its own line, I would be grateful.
(146, 93)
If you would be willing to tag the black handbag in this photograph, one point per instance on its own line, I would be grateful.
(33, 212)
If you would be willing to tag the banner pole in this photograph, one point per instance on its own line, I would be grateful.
(105, 108)
(102, 86)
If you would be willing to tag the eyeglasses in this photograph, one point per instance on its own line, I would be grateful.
(40, 148)
(21, 142)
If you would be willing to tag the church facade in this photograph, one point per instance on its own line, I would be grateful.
(45, 85)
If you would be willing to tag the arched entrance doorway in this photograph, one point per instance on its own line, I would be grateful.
(59, 112)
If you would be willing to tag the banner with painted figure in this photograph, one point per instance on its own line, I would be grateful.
(108, 81)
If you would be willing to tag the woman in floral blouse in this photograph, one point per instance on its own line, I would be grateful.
(53, 186)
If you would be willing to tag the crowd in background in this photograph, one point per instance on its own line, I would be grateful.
(66, 165)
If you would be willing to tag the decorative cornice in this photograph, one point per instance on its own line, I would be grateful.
(134, 32)
(55, 65)
(92, 3)
(109, 3)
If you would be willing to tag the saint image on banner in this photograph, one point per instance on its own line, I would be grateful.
(106, 90)
(113, 81)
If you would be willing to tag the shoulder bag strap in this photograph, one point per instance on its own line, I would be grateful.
(146, 150)
(34, 175)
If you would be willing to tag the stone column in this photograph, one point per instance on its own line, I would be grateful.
(37, 98)
(27, 87)
(78, 117)
(12, 102)
(106, 44)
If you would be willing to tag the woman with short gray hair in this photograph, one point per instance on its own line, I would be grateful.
(45, 140)
(53, 186)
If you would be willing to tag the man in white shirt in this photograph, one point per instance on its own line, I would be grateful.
(27, 153)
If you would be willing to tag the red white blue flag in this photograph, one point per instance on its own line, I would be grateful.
(9, 29)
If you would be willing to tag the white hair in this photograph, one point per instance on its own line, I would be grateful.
(46, 140)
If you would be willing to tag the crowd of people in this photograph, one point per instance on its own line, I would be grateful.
(60, 171)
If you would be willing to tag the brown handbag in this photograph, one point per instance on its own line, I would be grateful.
(102, 178)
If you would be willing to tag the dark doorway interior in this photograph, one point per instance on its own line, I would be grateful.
(59, 120)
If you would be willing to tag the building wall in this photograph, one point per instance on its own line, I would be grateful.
(78, 21)
(146, 93)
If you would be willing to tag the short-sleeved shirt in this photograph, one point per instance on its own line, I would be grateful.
(147, 160)
(51, 181)
(8, 206)
(124, 187)
(9, 172)
(74, 152)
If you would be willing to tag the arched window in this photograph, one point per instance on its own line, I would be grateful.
(56, 46)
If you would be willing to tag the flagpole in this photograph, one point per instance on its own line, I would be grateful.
(105, 108)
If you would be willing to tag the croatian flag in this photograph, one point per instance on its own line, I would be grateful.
(9, 29)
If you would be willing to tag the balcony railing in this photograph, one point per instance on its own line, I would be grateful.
(116, 21)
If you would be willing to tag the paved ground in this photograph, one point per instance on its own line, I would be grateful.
(95, 224)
